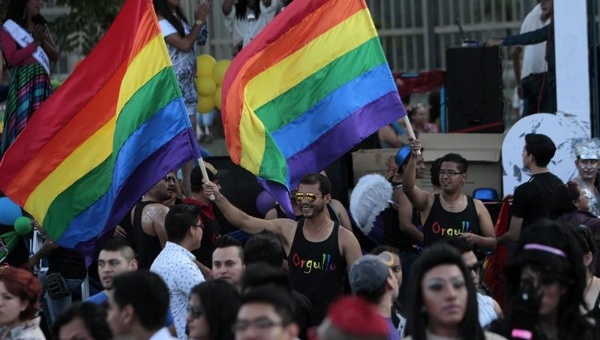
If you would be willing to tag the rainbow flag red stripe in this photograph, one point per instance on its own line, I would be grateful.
(309, 87)
(111, 131)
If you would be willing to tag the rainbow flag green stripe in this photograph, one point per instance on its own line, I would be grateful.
(110, 132)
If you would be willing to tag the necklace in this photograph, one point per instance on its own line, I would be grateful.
(452, 206)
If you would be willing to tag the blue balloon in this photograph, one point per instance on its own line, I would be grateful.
(9, 211)
(265, 202)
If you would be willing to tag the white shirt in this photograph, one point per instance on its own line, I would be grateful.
(487, 314)
(245, 30)
(175, 265)
(534, 56)
(162, 334)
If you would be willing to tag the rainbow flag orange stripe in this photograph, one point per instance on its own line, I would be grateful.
(309, 87)
(109, 133)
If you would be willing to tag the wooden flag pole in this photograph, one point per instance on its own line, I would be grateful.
(205, 174)
(411, 132)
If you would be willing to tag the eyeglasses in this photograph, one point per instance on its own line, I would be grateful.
(260, 324)
(195, 312)
(450, 173)
(310, 197)
(169, 178)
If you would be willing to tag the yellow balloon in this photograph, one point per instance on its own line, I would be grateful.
(206, 104)
(218, 97)
(205, 86)
(220, 70)
(205, 64)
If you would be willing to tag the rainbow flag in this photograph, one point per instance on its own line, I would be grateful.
(309, 87)
(114, 128)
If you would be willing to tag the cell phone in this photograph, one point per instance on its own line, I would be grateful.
(39, 20)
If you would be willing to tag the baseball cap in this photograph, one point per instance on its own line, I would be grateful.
(213, 174)
(368, 274)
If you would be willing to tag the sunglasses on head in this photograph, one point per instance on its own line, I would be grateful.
(310, 197)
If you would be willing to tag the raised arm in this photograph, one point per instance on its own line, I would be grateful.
(418, 198)
(405, 213)
(281, 227)
(158, 223)
(187, 43)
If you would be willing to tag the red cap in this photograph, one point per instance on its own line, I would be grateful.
(355, 316)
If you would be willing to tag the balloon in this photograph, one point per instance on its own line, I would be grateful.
(206, 86)
(9, 211)
(218, 97)
(205, 65)
(23, 225)
(206, 104)
(220, 70)
(264, 202)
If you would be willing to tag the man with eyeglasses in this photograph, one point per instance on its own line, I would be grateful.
(489, 309)
(449, 213)
(176, 264)
(266, 314)
(372, 278)
(148, 221)
(318, 249)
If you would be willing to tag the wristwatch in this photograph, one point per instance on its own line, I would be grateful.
(198, 22)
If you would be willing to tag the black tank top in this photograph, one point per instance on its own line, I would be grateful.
(594, 313)
(148, 246)
(441, 223)
(317, 269)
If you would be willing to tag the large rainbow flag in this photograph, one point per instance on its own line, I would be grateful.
(114, 128)
(309, 87)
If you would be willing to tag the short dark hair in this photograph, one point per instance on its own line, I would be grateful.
(264, 247)
(227, 241)
(220, 303)
(179, 219)
(121, 245)
(316, 178)
(147, 293)
(281, 301)
(435, 171)
(458, 243)
(563, 196)
(261, 274)
(541, 147)
(92, 315)
(462, 163)
(382, 247)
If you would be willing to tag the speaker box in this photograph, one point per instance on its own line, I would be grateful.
(474, 90)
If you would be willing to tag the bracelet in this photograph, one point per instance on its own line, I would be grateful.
(521, 334)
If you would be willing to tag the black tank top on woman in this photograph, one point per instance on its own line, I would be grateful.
(317, 269)
(442, 224)
(147, 246)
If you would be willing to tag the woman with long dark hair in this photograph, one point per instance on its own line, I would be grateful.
(212, 310)
(442, 303)
(546, 280)
(29, 49)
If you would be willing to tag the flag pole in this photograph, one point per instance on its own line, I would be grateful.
(204, 174)
(411, 132)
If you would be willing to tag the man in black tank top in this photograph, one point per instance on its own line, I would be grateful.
(318, 250)
(449, 213)
(148, 221)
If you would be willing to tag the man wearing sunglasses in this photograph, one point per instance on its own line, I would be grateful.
(148, 221)
(449, 213)
(318, 250)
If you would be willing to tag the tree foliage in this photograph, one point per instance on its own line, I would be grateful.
(84, 24)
